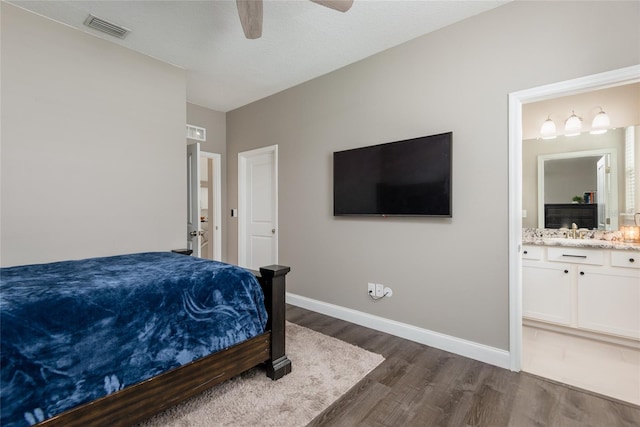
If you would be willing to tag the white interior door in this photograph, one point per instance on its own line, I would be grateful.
(193, 198)
(258, 207)
(607, 193)
(601, 194)
(211, 206)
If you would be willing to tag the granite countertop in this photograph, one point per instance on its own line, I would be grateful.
(583, 243)
(593, 239)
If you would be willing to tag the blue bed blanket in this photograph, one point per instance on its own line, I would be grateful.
(75, 331)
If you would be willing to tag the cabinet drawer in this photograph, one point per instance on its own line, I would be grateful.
(628, 259)
(532, 252)
(576, 255)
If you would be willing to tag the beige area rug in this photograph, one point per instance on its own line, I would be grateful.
(324, 368)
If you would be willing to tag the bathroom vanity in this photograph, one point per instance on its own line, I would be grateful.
(587, 288)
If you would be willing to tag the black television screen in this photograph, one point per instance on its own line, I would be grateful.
(403, 178)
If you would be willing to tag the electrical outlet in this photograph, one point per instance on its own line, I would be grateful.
(371, 289)
(388, 292)
(379, 290)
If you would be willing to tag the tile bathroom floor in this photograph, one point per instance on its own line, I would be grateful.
(608, 369)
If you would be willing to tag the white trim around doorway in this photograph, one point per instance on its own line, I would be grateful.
(516, 99)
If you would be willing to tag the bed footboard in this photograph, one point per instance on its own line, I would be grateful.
(272, 280)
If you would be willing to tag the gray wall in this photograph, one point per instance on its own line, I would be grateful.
(566, 178)
(215, 123)
(93, 154)
(448, 275)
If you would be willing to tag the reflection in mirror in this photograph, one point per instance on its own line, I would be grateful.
(579, 187)
(623, 148)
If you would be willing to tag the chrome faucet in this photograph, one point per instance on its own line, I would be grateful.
(574, 231)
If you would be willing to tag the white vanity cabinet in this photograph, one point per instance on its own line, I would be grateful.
(609, 300)
(590, 290)
(546, 291)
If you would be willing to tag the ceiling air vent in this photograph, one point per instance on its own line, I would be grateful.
(106, 27)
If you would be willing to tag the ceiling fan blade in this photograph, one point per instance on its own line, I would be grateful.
(250, 12)
(340, 5)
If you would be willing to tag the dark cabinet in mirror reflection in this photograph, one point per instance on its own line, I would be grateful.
(563, 215)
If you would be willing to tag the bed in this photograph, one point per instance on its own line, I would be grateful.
(111, 341)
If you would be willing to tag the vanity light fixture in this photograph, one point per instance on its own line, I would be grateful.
(573, 125)
(548, 129)
(600, 123)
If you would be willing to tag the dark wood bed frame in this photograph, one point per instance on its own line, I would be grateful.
(140, 401)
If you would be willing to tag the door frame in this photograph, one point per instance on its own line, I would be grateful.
(243, 157)
(217, 197)
(516, 99)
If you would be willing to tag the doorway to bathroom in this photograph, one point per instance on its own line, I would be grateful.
(538, 348)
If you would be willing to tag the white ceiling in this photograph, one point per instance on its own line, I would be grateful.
(301, 40)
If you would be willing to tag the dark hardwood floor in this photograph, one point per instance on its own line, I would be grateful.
(418, 385)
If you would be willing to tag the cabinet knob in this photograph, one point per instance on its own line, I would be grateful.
(630, 259)
(526, 252)
(566, 271)
(582, 273)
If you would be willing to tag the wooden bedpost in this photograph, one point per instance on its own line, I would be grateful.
(273, 283)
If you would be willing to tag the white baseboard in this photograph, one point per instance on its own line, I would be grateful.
(470, 349)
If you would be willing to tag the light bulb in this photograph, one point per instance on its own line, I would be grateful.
(600, 123)
(573, 125)
(548, 129)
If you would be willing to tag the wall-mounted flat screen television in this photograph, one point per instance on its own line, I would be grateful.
(402, 178)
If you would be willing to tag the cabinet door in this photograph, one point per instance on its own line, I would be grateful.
(609, 300)
(546, 292)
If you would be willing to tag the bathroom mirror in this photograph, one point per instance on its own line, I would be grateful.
(564, 160)
(578, 187)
